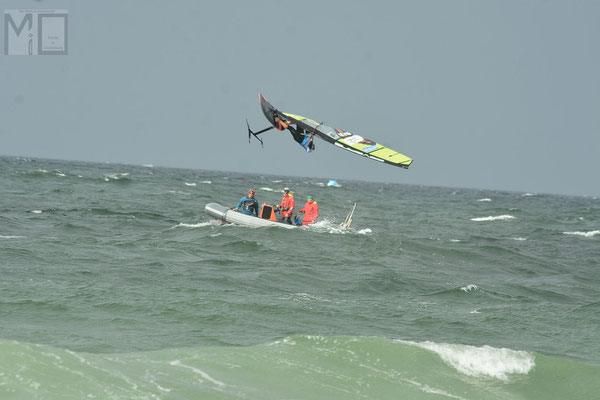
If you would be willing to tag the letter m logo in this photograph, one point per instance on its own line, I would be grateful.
(17, 39)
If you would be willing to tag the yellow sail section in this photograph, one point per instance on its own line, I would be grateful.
(300, 117)
(385, 153)
(355, 143)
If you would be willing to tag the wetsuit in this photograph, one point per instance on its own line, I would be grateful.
(305, 140)
(249, 205)
(300, 136)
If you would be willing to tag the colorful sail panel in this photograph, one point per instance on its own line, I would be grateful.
(351, 142)
(343, 139)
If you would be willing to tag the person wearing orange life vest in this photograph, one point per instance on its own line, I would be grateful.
(310, 210)
(287, 206)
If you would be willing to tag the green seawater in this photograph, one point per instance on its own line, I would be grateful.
(114, 284)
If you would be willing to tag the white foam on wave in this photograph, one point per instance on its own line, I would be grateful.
(583, 234)
(266, 189)
(492, 218)
(198, 225)
(179, 192)
(148, 165)
(190, 184)
(207, 182)
(114, 177)
(469, 288)
(198, 371)
(486, 199)
(428, 389)
(484, 361)
(329, 226)
(11, 237)
(36, 211)
(519, 239)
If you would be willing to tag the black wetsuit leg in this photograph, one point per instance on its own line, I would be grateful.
(297, 134)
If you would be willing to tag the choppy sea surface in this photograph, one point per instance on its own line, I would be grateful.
(114, 284)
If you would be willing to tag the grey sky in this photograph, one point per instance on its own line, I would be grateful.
(482, 94)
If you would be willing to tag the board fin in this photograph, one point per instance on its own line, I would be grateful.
(255, 134)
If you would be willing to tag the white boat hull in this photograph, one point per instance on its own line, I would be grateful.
(226, 214)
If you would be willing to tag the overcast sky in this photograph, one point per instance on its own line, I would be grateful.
(481, 94)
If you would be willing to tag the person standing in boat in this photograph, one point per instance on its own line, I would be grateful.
(310, 210)
(287, 206)
(248, 204)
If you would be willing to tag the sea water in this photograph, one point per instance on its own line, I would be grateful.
(114, 284)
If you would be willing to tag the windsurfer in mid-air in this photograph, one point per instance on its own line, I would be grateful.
(305, 140)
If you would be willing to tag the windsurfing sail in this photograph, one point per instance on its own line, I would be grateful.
(348, 220)
(340, 138)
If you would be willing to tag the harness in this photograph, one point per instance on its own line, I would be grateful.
(250, 204)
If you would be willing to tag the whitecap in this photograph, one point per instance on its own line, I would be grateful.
(266, 189)
(11, 237)
(179, 192)
(190, 184)
(198, 225)
(486, 199)
(148, 165)
(329, 226)
(485, 361)
(519, 239)
(207, 182)
(469, 288)
(491, 218)
(583, 234)
(204, 375)
(36, 211)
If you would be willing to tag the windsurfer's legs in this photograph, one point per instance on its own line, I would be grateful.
(308, 142)
(297, 134)
(287, 220)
